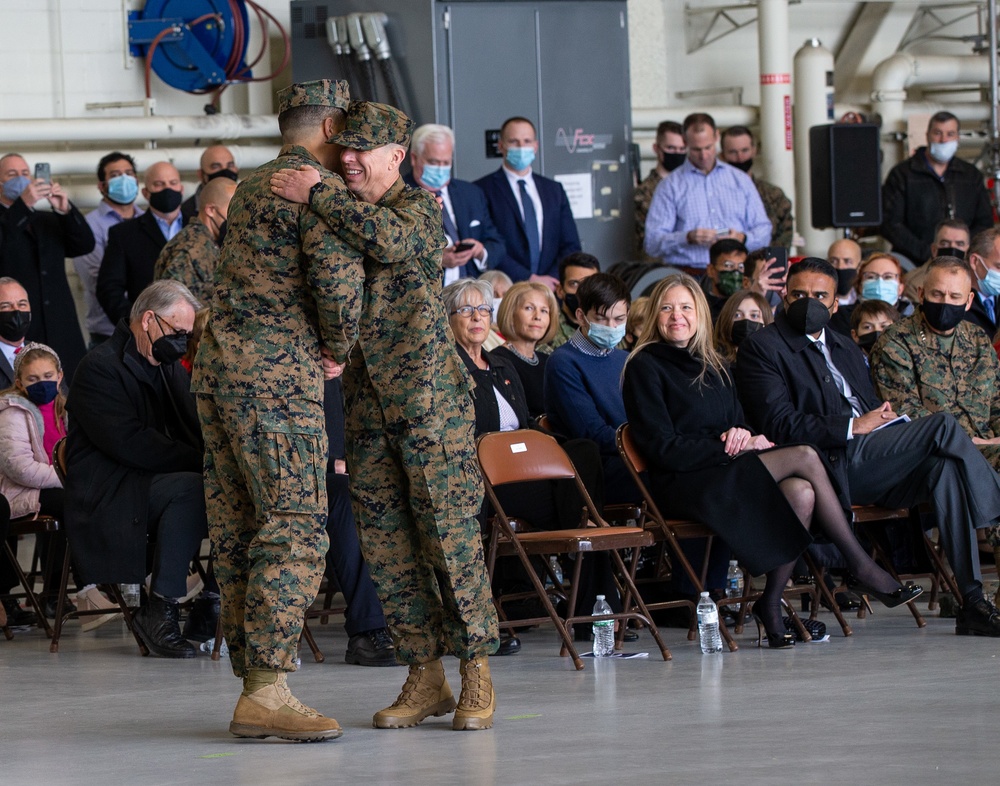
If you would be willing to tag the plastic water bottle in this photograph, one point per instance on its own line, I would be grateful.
(556, 568)
(604, 630)
(208, 646)
(734, 582)
(708, 625)
(130, 592)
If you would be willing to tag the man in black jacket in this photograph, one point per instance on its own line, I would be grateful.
(134, 456)
(930, 186)
(33, 249)
(800, 382)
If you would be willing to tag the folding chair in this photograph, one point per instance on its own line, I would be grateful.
(525, 455)
(37, 526)
(672, 531)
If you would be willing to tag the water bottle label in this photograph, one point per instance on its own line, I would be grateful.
(708, 617)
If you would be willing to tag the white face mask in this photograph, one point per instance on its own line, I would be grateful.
(496, 307)
(943, 152)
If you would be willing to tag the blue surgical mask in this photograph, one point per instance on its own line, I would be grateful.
(435, 177)
(519, 158)
(123, 190)
(880, 289)
(943, 152)
(605, 336)
(990, 286)
(12, 188)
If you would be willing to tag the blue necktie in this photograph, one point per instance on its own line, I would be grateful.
(989, 304)
(530, 226)
(449, 226)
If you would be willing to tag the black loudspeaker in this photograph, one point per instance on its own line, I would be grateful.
(845, 168)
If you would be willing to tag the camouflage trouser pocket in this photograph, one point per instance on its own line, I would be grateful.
(292, 459)
(455, 485)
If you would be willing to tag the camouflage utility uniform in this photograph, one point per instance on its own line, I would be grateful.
(643, 197)
(920, 372)
(779, 209)
(563, 333)
(191, 258)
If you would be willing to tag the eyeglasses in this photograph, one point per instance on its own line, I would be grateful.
(884, 277)
(466, 311)
(176, 332)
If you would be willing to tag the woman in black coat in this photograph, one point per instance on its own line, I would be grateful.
(705, 464)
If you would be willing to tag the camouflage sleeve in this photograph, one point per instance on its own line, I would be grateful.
(895, 377)
(388, 235)
(990, 357)
(782, 220)
(335, 278)
(174, 262)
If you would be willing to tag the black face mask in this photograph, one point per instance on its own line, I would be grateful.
(670, 161)
(867, 341)
(845, 279)
(227, 173)
(743, 166)
(14, 324)
(572, 303)
(948, 251)
(942, 316)
(743, 328)
(166, 200)
(223, 228)
(807, 315)
(170, 347)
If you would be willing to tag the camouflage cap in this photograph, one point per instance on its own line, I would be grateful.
(319, 92)
(371, 125)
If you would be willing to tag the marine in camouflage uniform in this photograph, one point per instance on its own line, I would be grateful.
(643, 196)
(779, 209)
(191, 258)
(921, 372)
(563, 333)
(409, 427)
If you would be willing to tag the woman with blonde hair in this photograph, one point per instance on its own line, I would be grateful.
(704, 464)
(528, 319)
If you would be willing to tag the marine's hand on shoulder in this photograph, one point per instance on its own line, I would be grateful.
(294, 184)
(736, 440)
(870, 421)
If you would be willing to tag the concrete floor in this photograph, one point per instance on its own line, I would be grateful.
(891, 705)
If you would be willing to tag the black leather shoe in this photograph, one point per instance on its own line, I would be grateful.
(509, 645)
(371, 648)
(978, 619)
(158, 627)
(203, 619)
(50, 608)
(17, 615)
(890, 600)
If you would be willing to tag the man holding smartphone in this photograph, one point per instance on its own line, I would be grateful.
(33, 247)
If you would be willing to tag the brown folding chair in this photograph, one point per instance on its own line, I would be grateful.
(526, 455)
(672, 531)
(19, 527)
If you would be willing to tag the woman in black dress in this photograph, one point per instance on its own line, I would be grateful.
(705, 465)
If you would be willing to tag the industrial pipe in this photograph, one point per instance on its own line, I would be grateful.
(138, 129)
(68, 163)
(775, 95)
(724, 116)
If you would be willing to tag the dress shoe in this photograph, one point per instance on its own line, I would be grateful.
(775, 641)
(93, 600)
(371, 648)
(978, 618)
(157, 625)
(17, 616)
(477, 701)
(50, 608)
(509, 645)
(425, 693)
(890, 600)
(203, 619)
(267, 708)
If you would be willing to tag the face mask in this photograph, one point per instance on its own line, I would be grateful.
(605, 336)
(948, 251)
(12, 188)
(989, 286)
(168, 348)
(845, 279)
(867, 341)
(807, 315)
(743, 328)
(123, 190)
(880, 289)
(435, 177)
(496, 307)
(229, 174)
(223, 228)
(943, 152)
(42, 392)
(942, 316)
(519, 158)
(730, 281)
(14, 324)
(670, 161)
(166, 200)
(572, 303)
(743, 166)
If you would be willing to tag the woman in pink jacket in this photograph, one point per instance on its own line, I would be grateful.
(32, 421)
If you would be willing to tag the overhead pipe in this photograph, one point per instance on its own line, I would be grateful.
(775, 95)
(724, 116)
(70, 163)
(138, 129)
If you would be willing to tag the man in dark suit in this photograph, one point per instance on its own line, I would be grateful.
(531, 211)
(15, 319)
(465, 215)
(800, 382)
(134, 245)
(216, 161)
(34, 245)
(984, 259)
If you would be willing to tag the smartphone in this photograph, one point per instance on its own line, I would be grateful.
(463, 247)
(43, 172)
(779, 253)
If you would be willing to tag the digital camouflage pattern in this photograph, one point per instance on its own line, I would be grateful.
(920, 372)
(779, 209)
(191, 258)
(643, 199)
(564, 333)
(319, 92)
(370, 125)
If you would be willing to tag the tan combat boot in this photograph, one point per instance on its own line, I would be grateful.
(424, 693)
(477, 699)
(268, 709)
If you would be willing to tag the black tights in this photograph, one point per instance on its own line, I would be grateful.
(802, 478)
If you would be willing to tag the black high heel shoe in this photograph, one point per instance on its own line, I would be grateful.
(775, 641)
(890, 600)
